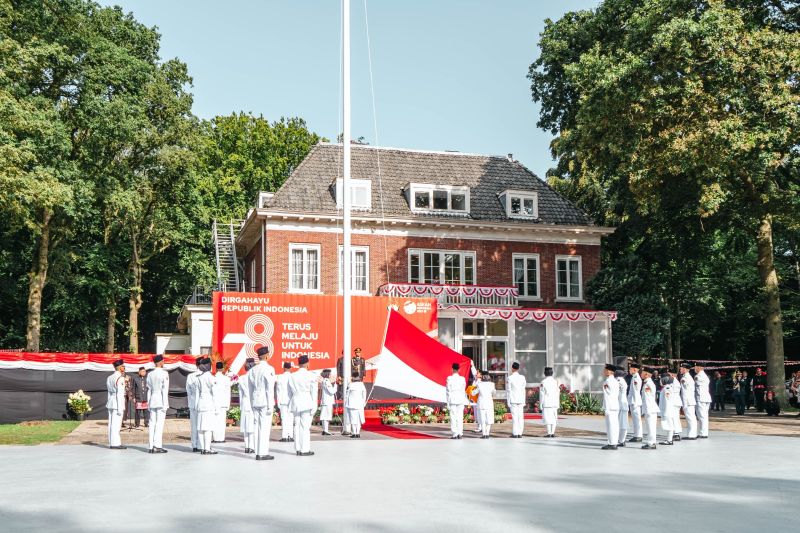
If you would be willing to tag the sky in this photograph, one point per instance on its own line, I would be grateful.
(447, 74)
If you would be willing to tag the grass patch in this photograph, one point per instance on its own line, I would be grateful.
(36, 432)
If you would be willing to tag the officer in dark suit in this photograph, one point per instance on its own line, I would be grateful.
(140, 397)
(759, 388)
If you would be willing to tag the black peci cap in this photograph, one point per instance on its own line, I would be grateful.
(262, 351)
(287, 365)
(686, 365)
(303, 360)
(635, 365)
(118, 363)
(610, 367)
(158, 358)
(220, 365)
(455, 366)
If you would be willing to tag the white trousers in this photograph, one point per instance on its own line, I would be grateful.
(355, 421)
(517, 418)
(287, 422)
(157, 418)
(487, 419)
(249, 441)
(636, 416)
(691, 421)
(550, 419)
(702, 418)
(623, 425)
(612, 426)
(205, 440)
(219, 428)
(193, 423)
(651, 421)
(302, 431)
(677, 426)
(263, 418)
(476, 413)
(456, 419)
(114, 425)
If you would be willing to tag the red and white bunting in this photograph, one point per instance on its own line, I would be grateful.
(539, 315)
(421, 289)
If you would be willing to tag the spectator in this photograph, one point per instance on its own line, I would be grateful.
(739, 386)
(748, 390)
(771, 405)
(759, 388)
(794, 389)
(657, 381)
(718, 393)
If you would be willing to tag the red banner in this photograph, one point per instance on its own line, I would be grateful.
(293, 325)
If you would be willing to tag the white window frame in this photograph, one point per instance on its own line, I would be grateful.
(570, 298)
(353, 251)
(428, 188)
(522, 195)
(253, 275)
(354, 184)
(463, 253)
(306, 248)
(526, 257)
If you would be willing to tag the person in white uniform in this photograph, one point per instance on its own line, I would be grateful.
(206, 407)
(247, 423)
(115, 404)
(303, 387)
(327, 400)
(549, 401)
(665, 405)
(282, 399)
(191, 398)
(703, 399)
(677, 403)
(623, 406)
(222, 395)
(516, 400)
(611, 406)
(355, 400)
(473, 397)
(635, 401)
(157, 403)
(486, 390)
(262, 397)
(649, 409)
(456, 397)
(689, 401)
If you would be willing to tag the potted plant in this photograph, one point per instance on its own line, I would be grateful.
(233, 416)
(78, 404)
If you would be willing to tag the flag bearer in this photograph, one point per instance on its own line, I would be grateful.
(326, 402)
(157, 403)
(611, 406)
(635, 401)
(355, 401)
(282, 399)
(486, 390)
(456, 395)
(516, 401)
(303, 388)
(549, 401)
(262, 398)
(115, 404)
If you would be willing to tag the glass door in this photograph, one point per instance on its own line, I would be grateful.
(496, 362)
(474, 350)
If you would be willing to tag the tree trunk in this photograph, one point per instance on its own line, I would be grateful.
(37, 280)
(111, 327)
(773, 326)
(135, 299)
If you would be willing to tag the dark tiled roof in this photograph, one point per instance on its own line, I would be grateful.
(310, 188)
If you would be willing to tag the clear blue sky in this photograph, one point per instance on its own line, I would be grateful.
(448, 74)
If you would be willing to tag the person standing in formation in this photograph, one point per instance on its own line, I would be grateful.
(549, 401)
(191, 398)
(650, 409)
(689, 401)
(262, 397)
(611, 406)
(206, 407)
(455, 392)
(703, 399)
(635, 401)
(115, 404)
(677, 403)
(222, 396)
(516, 401)
(623, 406)
(355, 401)
(247, 423)
(665, 405)
(486, 390)
(140, 397)
(326, 402)
(303, 402)
(282, 399)
(157, 403)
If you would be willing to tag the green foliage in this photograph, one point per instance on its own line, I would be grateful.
(235, 414)
(38, 432)
(587, 403)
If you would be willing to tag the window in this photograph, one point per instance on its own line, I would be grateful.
(521, 204)
(526, 274)
(359, 266)
(580, 352)
(304, 267)
(439, 266)
(568, 277)
(439, 198)
(360, 193)
(530, 343)
(253, 275)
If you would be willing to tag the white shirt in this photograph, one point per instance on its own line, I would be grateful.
(702, 387)
(687, 391)
(665, 399)
(356, 395)
(191, 389)
(262, 386)
(623, 394)
(115, 387)
(611, 394)
(282, 388)
(485, 395)
(455, 392)
(222, 391)
(675, 396)
(649, 405)
(245, 405)
(516, 389)
(158, 389)
(328, 392)
(302, 391)
(205, 392)
(635, 391)
(549, 395)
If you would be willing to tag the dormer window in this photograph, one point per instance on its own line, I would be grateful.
(438, 198)
(360, 193)
(520, 204)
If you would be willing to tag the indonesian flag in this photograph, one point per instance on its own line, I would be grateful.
(413, 363)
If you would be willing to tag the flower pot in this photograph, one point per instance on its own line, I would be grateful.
(80, 417)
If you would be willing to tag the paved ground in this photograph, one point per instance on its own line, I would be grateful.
(731, 482)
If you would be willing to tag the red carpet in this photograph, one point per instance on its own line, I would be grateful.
(393, 431)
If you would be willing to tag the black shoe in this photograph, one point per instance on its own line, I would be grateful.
(689, 438)
(161, 450)
(120, 447)
(346, 433)
(325, 433)
(151, 450)
(460, 437)
(455, 437)
(358, 436)
(485, 437)
(264, 457)
(609, 447)
(635, 439)
(353, 436)
(284, 440)
(249, 450)
(667, 443)
(677, 438)
(621, 444)
(299, 453)
(649, 447)
(701, 437)
(196, 450)
(217, 441)
(306, 454)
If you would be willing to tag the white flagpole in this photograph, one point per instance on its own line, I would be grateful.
(346, 195)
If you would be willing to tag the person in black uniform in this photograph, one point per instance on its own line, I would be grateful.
(140, 397)
(759, 388)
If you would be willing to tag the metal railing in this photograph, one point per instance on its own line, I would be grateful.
(478, 295)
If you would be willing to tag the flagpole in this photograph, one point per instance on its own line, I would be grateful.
(346, 196)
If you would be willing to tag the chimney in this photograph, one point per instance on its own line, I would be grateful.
(511, 157)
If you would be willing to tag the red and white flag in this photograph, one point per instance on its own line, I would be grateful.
(415, 364)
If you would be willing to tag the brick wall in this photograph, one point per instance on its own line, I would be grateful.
(494, 260)
(254, 253)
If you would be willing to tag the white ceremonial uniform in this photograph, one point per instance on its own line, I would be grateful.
(689, 403)
(703, 401)
(665, 409)
(635, 404)
(206, 409)
(355, 399)
(549, 401)
(677, 403)
(157, 403)
(262, 397)
(247, 424)
(282, 399)
(303, 402)
(486, 391)
(650, 409)
(222, 396)
(456, 396)
(326, 402)
(191, 398)
(611, 408)
(115, 405)
(516, 402)
(623, 410)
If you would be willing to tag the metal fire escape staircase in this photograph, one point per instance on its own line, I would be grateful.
(229, 271)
